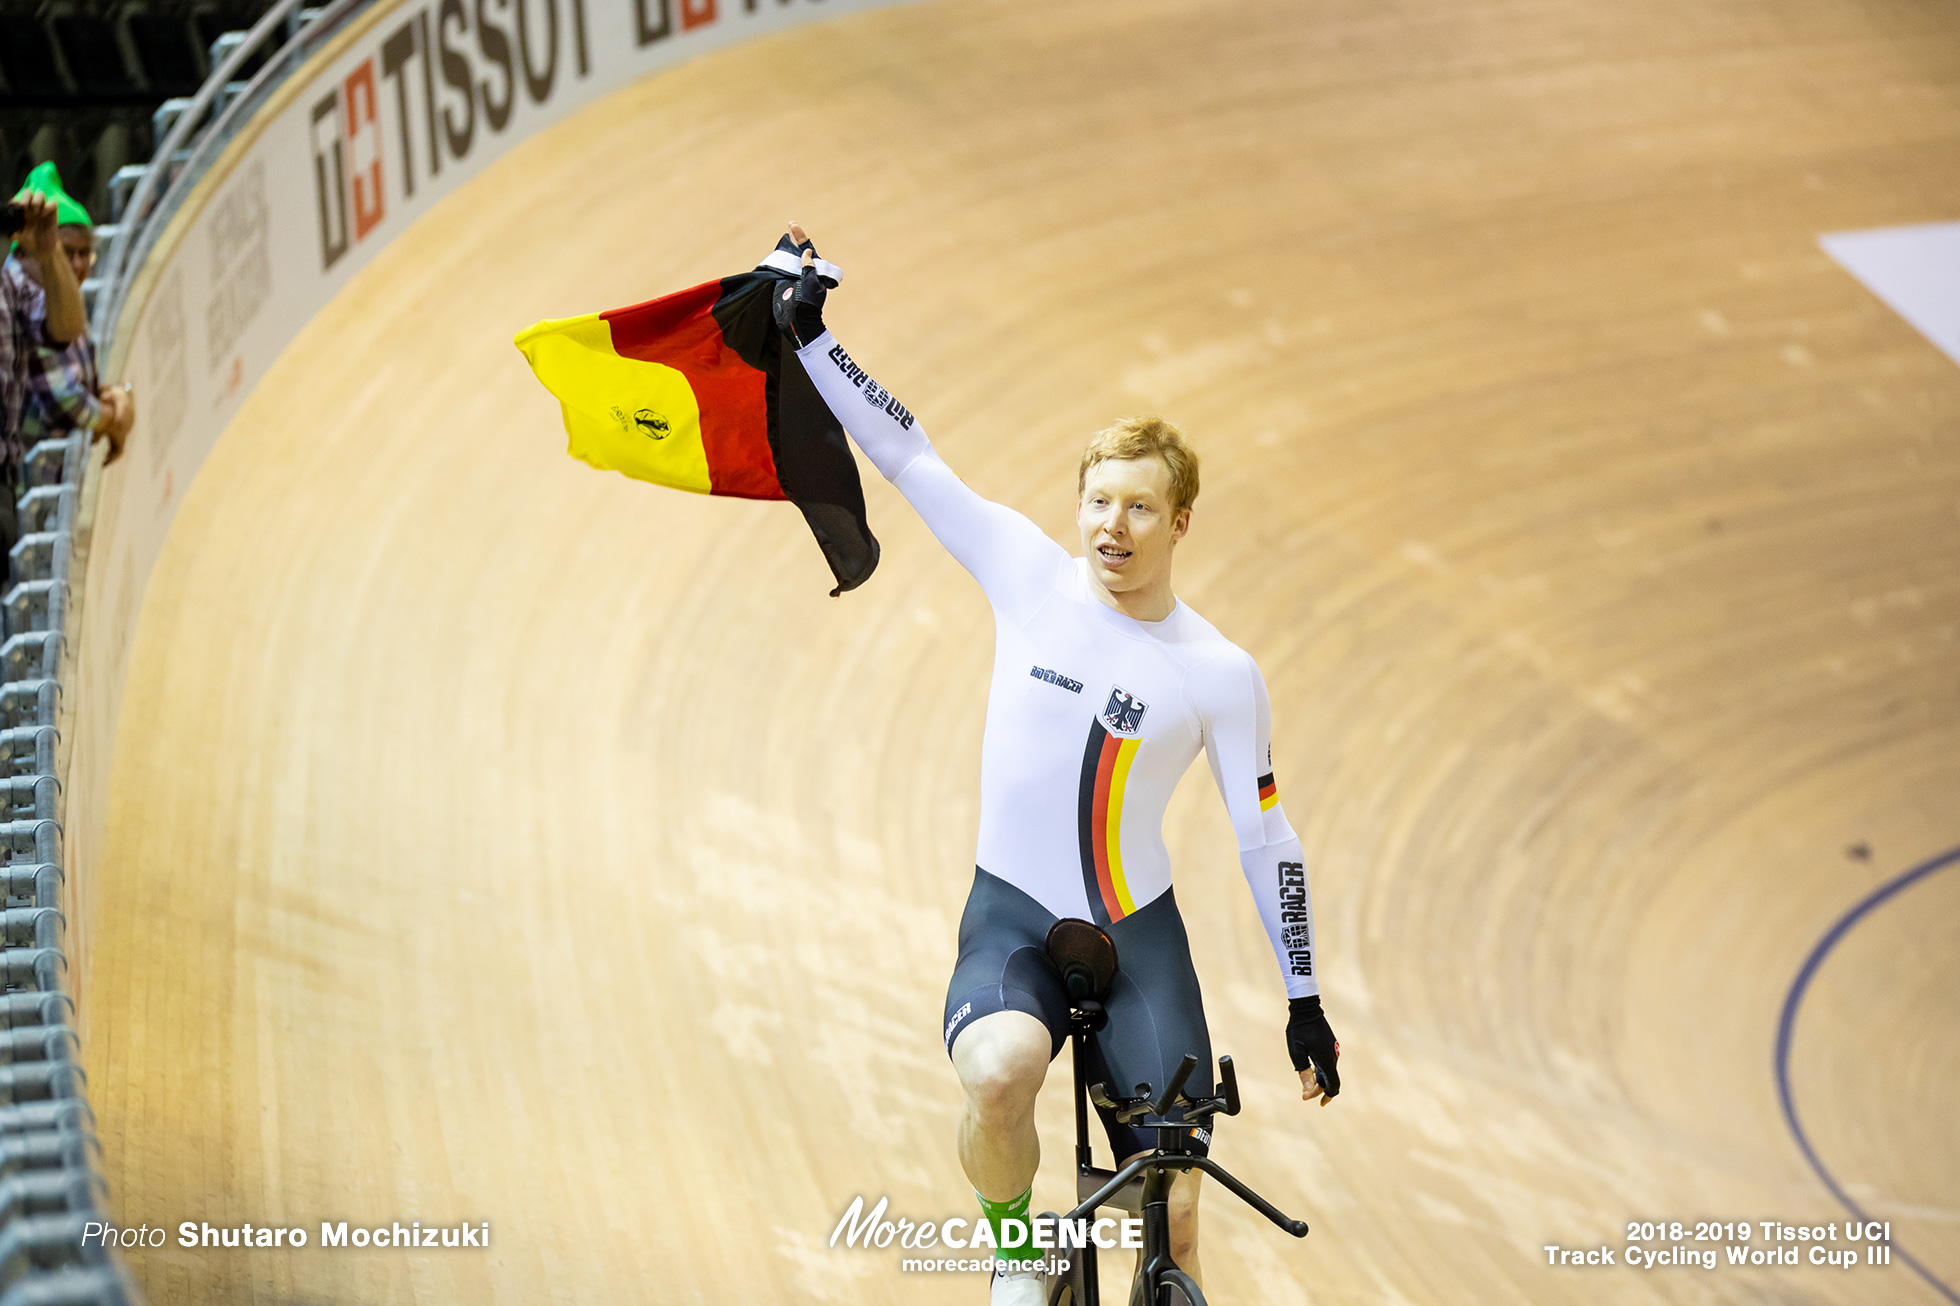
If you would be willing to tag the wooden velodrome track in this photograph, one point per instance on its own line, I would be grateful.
(494, 839)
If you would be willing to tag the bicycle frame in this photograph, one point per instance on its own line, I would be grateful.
(1150, 1175)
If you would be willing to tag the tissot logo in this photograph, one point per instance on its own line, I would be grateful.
(404, 111)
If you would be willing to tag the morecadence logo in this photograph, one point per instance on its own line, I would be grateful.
(874, 1229)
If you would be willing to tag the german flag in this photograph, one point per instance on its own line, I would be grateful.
(1268, 792)
(1099, 822)
(691, 391)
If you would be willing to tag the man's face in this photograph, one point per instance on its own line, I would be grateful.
(1127, 524)
(78, 243)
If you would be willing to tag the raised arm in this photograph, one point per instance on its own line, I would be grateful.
(65, 318)
(1014, 561)
(1230, 695)
(1011, 557)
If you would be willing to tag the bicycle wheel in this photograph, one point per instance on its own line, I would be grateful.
(1176, 1288)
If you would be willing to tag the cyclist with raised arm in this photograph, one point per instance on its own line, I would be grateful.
(1105, 687)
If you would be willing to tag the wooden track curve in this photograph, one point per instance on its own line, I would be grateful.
(493, 839)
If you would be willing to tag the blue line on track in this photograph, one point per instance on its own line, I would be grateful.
(1786, 1029)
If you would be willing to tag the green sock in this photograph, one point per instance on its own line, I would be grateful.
(997, 1212)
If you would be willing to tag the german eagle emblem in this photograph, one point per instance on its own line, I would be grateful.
(1123, 714)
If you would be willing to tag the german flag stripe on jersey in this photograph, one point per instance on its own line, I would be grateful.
(1268, 792)
(691, 391)
(1099, 820)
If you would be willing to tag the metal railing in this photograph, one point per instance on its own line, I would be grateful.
(56, 1244)
(144, 197)
(54, 1248)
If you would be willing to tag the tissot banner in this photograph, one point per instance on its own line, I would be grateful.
(411, 101)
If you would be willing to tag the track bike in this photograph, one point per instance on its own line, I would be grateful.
(1086, 958)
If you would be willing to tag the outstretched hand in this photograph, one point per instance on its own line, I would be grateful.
(39, 243)
(1315, 1051)
(118, 415)
(37, 237)
(799, 308)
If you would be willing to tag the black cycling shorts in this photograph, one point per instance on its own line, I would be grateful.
(1156, 1015)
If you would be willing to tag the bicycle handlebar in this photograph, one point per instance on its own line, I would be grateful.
(1175, 1161)
(1228, 1079)
(1176, 1086)
(1137, 1111)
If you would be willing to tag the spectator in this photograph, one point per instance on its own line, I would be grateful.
(40, 304)
(63, 392)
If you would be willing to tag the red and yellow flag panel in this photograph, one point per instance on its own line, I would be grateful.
(696, 391)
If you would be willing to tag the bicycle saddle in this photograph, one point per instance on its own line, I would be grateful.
(1086, 957)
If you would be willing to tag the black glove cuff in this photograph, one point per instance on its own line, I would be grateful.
(798, 308)
(1311, 1043)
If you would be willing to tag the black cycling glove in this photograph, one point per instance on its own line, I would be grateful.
(1311, 1040)
(799, 305)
